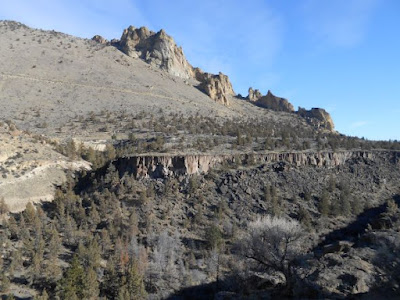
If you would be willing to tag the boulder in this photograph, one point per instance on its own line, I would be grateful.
(343, 275)
(99, 39)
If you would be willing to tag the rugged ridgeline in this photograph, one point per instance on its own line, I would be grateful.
(318, 117)
(269, 101)
(160, 51)
(162, 166)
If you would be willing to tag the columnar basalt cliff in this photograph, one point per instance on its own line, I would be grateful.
(163, 166)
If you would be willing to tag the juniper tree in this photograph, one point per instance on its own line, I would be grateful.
(72, 285)
(356, 206)
(275, 202)
(324, 204)
(345, 204)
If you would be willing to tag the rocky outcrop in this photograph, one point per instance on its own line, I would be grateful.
(99, 39)
(218, 87)
(157, 49)
(166, 165)
(269, 101)
(273, 102)
(342, 275)
(160, 51)
(318, 117)
(254, 95)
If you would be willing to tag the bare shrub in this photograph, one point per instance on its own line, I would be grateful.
(272, 244)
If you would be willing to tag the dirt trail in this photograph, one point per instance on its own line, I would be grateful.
(106, 88)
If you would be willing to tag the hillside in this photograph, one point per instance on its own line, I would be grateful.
(128, 173)
(53, 78)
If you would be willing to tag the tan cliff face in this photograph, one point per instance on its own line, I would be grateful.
(163, 166)
(218, 87)
(157, 49)
(160, 50)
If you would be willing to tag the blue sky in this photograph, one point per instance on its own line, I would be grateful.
(341, 55)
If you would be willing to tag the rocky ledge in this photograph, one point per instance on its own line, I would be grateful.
(162, 166)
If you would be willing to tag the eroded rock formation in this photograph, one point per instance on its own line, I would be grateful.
(254, 95)
(218, 87)
(160, 50)
(157, 49)
(318, 117)
(273, 102)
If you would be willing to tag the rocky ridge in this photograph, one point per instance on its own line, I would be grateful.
(160, 50)
(317, 117)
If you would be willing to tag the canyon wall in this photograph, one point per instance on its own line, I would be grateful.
(162, 166)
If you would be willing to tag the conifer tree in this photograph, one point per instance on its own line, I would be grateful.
(132, 286)
(91, 285)
(324, 205)
(356, 206)
(72, 285)
(275, 202)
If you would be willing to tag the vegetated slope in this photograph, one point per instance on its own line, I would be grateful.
(30, 168)
(168, 234)
(170, 206)
(49, 78)
(66, 87)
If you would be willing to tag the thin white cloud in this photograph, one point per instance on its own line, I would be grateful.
(358, 124)
(342, 23)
